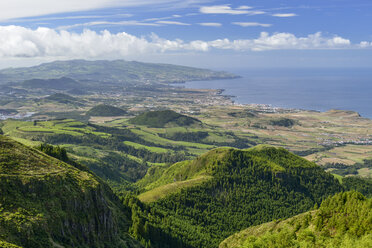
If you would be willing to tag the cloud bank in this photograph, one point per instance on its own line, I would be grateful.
(16, 41)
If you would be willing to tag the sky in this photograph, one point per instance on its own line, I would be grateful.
(203, 33)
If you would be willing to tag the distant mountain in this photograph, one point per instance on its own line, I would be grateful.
(113, 72)
(164, 118)
(344, 220)
(57, 84)
(105, 110)
(48, 203)
(226, 190)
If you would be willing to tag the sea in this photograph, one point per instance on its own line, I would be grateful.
(311, 89)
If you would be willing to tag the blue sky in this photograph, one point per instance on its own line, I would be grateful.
(208, 33)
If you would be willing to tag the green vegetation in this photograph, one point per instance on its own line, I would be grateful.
(54, 151)
(105, 110)
(188, 136)
(242, 188)
(362, 185)
(243, 114)
(58, 84)
(150, 148)
(70, 115)
(283, 122)
(105, 150)
(344, 220)
(164, 118)
(47, 203)
(347, 170)
(4, 244)
(63, 98)
(165, 190)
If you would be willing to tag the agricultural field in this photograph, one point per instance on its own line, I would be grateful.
(160, 123)
(333, 137)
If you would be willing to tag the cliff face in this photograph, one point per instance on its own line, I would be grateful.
(47, 203)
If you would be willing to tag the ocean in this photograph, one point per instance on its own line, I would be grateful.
(310, 89)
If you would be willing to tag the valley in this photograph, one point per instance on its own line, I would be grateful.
(169, 166)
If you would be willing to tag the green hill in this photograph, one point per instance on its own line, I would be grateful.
(62, 83)
(344, 220)
(48, 203)
(112, 72)
(164, 118)
(63, 98)
(105, 110)
(226, 190)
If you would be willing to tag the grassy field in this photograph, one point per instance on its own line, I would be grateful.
(348, 135)
(348, 155)
(153, 137)
(164, 190)
(150, 148)
(70, 127)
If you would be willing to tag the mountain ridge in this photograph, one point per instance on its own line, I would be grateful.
(114, 71)
(47, 203)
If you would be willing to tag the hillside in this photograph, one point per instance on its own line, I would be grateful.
(57, 84)
(48, 203)
(112, 153)
(117, 71)
(105, 110)
(163, 118)
(344, 220)
(64, 99)
(226, 190)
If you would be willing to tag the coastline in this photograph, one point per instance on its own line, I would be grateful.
(256, 93)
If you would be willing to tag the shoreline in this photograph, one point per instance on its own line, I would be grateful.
(269, 108)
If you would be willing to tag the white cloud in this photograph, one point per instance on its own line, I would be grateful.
(107, 23)
(162, 18)
(223, 9)
(173, 23)
(27, 8)
(226, 9)
(284, 15)
(210, 24)
(244, 7)
(256, 12)
(338, 41)
(18, 41)
(252, 24)
(290, 41)
(159, 21)
(365, 44)
(73, 17)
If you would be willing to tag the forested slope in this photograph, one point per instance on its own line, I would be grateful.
(245, 188)
(344, 220)
(45, 202)
(164, 118)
